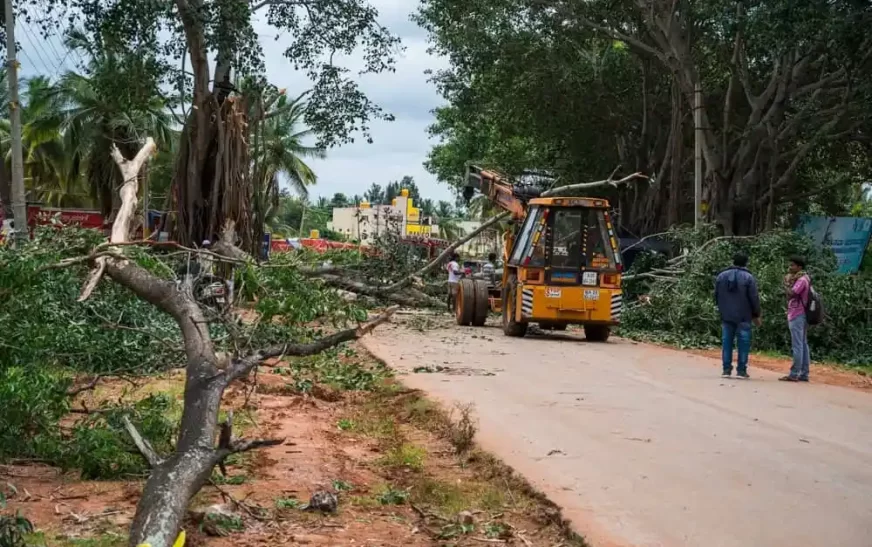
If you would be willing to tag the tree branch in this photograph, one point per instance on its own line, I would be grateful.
(148, 451)
(242, 366)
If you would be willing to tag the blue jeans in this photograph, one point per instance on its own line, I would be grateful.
(799, 345)
(741, 332)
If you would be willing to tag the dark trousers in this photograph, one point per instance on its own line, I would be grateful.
(741, 333)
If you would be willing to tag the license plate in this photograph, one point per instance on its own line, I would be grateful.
(591, 295)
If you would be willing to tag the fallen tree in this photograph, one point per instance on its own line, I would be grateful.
(671, 299)
(174, 480)
(402, 291)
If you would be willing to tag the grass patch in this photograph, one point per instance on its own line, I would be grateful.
(404, 456)
(230, 480)
(392, 496)
(288, 503)
(450, 498)
(342, 486)
(39, 539)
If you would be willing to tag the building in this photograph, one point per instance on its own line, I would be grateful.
(365, 222)
(489, 241)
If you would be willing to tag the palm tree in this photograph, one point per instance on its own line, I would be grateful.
(449, 228)
(280, 147)
(117, 101)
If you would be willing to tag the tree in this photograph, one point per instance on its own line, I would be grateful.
(114, 101)
(394, 188)
(375, 194)
(339, 200)
(444, 210)
(279, 148)
(578, 87)
(203, 46)
(428, 208)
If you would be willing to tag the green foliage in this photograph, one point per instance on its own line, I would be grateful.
(346, 424)
(13, 530)
(404, 456)
(339, 373)
(288, 503)
(232, 480)
(34, 401)
(342, 486)
(43, 324)
(155, 36)
(392, 496)
(683, 311)
(222, 525)
(102, 449)
(577, 88)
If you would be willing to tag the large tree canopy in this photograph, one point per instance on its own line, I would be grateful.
(581, 87)
(203, 49)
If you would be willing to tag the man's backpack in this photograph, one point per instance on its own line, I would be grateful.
(814, 307)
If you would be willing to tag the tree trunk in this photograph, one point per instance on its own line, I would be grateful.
(5, 190)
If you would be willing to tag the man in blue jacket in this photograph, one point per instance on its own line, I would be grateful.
(739, 303)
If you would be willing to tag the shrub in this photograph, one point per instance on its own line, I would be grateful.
(683, 312)
(33, 402)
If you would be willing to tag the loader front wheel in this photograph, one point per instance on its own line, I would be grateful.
(511, 327)
(597, 333)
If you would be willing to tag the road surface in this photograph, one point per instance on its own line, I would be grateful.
(646, 446)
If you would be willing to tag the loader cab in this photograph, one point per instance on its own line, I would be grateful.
(567, 242)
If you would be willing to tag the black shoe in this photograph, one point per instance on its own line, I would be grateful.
(804, 379)
(789, 379)
(743, 375)
(727, 374)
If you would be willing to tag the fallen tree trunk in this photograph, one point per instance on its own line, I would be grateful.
(176, 479)
(390, 292)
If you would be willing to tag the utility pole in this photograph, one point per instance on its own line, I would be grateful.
(302, 217)
(697, 158)
(19, 199)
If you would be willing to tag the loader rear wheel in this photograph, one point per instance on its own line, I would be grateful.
(510, 326)
(597, 333)
(464, 304)
(482, 303)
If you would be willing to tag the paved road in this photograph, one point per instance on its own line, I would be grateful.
(647, 446)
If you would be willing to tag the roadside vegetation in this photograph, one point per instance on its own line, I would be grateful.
(671, 300)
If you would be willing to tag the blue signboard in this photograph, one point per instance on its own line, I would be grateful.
(265, 246)
(848, 237)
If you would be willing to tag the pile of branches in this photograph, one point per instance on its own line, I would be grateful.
(671, 300)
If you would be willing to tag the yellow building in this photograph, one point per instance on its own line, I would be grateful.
(365, 222)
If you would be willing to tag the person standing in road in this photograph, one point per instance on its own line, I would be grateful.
(454, 275)
(739, 304)
(797, 286)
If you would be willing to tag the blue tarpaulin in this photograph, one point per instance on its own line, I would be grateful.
(848, 237)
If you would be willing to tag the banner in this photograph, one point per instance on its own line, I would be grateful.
(848, 237)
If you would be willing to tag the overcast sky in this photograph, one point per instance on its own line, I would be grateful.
(399, 148)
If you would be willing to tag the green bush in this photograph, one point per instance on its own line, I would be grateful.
(102, 448)
(683, 311)
(32, 403)
(43, 325)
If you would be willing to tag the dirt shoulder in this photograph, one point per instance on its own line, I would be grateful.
(821, 373)
(405, 473)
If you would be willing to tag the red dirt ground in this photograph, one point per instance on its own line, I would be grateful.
(315, 454)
